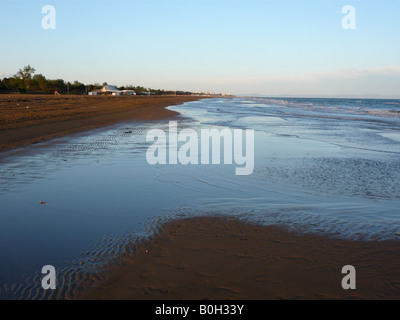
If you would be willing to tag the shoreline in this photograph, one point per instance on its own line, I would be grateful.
(205, 257)
(223, 258)
(29, 119)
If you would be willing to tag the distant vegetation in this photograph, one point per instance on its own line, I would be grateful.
(26, 81)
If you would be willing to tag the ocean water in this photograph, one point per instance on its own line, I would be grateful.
(329, 166)
(322, 165)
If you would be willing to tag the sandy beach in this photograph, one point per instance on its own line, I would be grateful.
(205, 257)
(223, 258)
(27, 119)
(200, 151)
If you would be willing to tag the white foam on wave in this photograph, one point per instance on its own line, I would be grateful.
(260, 120)
(390, 135)
(253, 104)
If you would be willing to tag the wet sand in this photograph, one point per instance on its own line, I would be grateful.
(204, 257)
(223, 258)
(27, 119)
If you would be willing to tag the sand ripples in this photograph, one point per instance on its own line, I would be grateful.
(83, 272)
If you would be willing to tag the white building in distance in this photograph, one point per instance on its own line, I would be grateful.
(108, 89)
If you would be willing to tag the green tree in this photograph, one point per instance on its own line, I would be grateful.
(41, 82)
(77, 87)
(25, 75)
(58, 85)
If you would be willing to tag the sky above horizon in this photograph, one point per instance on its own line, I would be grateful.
(272, 48)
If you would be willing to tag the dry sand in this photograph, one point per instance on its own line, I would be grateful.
(223, 258)
(27, 119)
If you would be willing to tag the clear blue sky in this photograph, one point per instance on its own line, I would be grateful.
(279, 47)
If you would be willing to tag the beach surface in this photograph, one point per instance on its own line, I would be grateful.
(27, 119)
(205, 257)
(224, 258)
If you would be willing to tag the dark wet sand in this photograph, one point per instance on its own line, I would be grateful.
(223, 258)
(27, 119)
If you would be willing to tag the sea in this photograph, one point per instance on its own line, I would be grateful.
(325, 166)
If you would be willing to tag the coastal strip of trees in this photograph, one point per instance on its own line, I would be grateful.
(26, 81)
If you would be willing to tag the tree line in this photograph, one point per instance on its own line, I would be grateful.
(26, 81)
